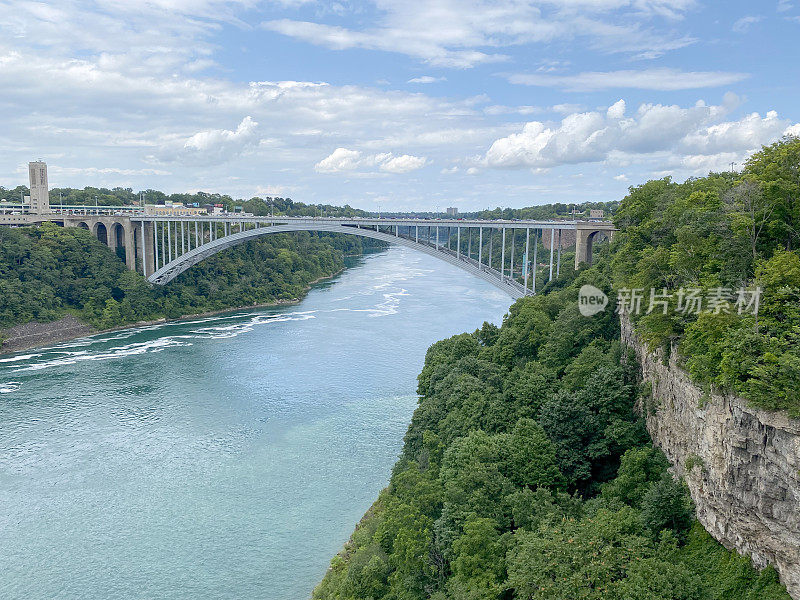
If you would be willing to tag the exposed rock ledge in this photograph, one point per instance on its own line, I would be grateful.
(742, 464)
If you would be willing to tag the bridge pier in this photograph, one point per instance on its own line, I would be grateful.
(585, 235)
(130, 247)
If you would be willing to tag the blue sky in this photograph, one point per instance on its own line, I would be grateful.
(394, 105)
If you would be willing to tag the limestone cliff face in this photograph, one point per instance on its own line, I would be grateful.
(742, 464)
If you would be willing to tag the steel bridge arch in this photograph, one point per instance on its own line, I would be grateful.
(178, 265)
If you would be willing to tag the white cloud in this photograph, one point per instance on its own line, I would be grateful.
(662, 79)
(343, 160)
(621, 177)
(747, 133)
(216, 146)
(567, 108)
(465, 33)
(339, 160)
(744, 24)
(403, 164)
(498, 109)
(682, 135)
(92, 171)
(427, 79)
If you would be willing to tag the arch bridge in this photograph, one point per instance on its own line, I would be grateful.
(175, 243)
(507, 254)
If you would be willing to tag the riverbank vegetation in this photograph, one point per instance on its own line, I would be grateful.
(717, 235)
(49, 271)
(526, 473)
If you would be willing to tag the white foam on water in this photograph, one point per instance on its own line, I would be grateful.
(19, 358)
(9, 386)
(119, 352)
(236, 329)
(389, 306)
(222, 331)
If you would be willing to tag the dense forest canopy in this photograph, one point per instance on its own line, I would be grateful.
(527, 474)
(548, 211)
(718, 235)
(48, 271)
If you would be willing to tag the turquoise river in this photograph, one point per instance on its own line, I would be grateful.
(223, 457)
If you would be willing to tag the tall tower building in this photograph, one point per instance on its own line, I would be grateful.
(40, 194)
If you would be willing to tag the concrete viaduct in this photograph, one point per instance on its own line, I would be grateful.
(162, 247)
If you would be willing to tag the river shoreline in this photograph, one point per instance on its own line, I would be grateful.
(32, 335)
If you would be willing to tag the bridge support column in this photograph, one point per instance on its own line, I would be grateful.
(130, 246)
(503, 257)
(535, 258)
(583, 247)
(558, 264)
(155, 246)
(480, 245)
(169, 241)
(148, 249)
(111, 235)
(458, 242)
(511, 267)
(552, 244)
(525, 263)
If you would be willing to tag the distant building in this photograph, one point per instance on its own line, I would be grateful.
(452, 211)
(595, 214)
(40, 194)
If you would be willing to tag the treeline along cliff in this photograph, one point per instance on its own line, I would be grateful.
(528, 470)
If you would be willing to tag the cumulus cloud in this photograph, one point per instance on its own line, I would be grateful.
(403, 164)
(213, 146)
(343, 160)
(339, 160)
(662, 79)
(694, 137)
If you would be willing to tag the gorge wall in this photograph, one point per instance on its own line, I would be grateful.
(742, 464)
